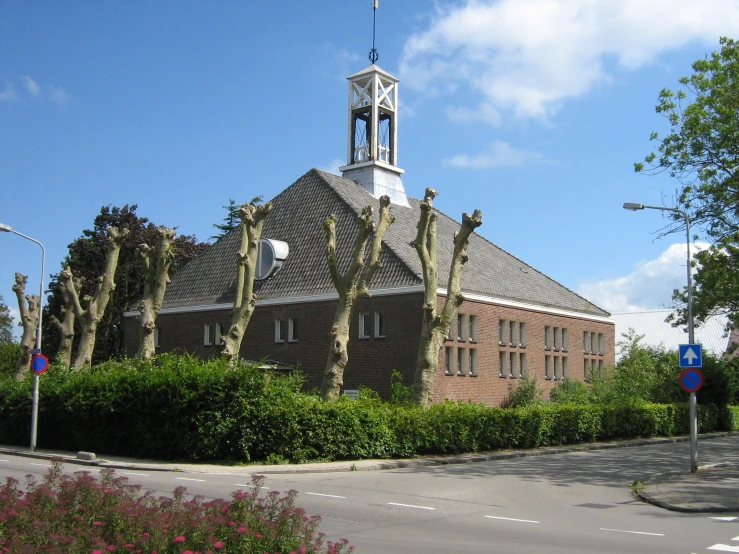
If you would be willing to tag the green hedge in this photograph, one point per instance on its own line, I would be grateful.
(180, 408)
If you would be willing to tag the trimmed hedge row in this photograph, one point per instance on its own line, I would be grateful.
(181, 408)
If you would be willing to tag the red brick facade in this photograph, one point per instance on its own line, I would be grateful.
(371, 360)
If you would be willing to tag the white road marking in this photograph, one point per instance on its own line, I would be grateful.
(3, 460)
(328, 495)
(188, 479)
(735, 539)
(633, 532)
(243, 485)
(410, 506)
(724, 548)
(134, 473)
(725, 518)
(42, 465)
(512, 519)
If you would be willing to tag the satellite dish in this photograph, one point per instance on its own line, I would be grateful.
(271, 255)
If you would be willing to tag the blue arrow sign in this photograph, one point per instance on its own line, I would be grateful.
(691, 355)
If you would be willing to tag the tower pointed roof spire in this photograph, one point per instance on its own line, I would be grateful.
(374, 55)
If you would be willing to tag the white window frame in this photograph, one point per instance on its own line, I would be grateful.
(472, 327)
(380, 316)
(473, 362)
(206, 334)
(279, 330)
(449, 360)
(292, 324)
(364, 318)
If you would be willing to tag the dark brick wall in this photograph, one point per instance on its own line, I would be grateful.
(372, 360)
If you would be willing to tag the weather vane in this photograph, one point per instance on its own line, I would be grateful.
(374, 55)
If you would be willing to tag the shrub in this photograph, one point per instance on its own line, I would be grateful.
(399, 393)
(10, 352)
(526, 393)
(79, 514)
(570, 392)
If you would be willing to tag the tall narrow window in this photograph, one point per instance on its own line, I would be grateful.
(522, 367)
(601, 344)
(600, 368)
(157, 334)
(522, 334)
(547, 337)
(586, 369)
(557, 338)
(365, 323)
(513, 333)
(502, 330)
(460, 361)
(217, 334)
(207, 335)
(585, 342)
(473, 328)
(565, 368)
(512, 368)
(279, 330)
(473, 361)
(593, 343)
(547, 367)
(565, 340)
(557, 367)
(380, 325)
(451, 331)
(460, 327)
(292, 330)
(449, 360)
(501, 364)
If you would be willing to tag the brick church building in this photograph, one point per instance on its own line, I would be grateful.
(514, 322)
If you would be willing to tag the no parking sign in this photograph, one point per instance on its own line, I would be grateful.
(39, 364)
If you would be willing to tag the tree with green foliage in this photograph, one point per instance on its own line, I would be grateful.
(6, 323)
(86, 258)
(701, 151)
(232, 219)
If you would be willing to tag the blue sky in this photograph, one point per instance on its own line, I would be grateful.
(531, 110)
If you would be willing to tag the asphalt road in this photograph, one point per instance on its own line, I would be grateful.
(571, 502)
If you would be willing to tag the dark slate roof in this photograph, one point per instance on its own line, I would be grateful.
(297, 218)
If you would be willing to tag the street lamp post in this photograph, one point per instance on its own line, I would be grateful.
(691, 335)
(34, 408)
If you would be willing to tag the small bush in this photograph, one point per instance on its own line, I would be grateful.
(10, 352)
(570, 392)
(81, 515)
(399, 393)
(527, 393)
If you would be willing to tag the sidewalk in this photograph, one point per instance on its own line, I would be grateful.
(713, 488)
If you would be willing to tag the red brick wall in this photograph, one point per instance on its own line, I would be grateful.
(372, 360)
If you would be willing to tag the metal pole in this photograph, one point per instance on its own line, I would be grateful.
(691, 340)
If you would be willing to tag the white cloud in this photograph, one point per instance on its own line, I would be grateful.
(8, 94)
(333, 166)
(57, 95)
(528, 56)
(483, 112)
(649, 287)
(31, 85)
(498, 154)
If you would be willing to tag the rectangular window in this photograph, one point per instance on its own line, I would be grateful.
(473, 361)
(547, 367)
(594, 343)
(512, 368)
(460, 361)
(501, 364)
(365, 324)
(586, 369)
(451, 331)
(522, 367)
(557, 338)
(460, 327)
(513, 332)
(565, 340)
(449, 360)
(292, 330)
(473, 328)
(380, 325)
(502, 330)
(585, 342)
(218, 334)
(522, 335)
(208, 335)
(557, 368)
(601, 344)
(279, 330)
(565, 368)
(547, 337)
(600, 368)
(157, 333)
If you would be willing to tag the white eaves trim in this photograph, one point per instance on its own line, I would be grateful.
(382, 292)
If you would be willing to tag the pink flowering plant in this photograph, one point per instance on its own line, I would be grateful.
(80, 514)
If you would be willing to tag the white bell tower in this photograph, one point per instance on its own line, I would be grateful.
(372, 147)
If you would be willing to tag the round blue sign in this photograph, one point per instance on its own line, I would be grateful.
(39, 364)
(691, 380)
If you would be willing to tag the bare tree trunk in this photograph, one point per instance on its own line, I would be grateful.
(350, 287)
(435, 327)
(157, 261)
(89, 318)
(28, 305)
(66, 333)
(252, 223)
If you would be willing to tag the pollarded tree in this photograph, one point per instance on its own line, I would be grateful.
(435, 327)
(65, 327)
(701, 150)
(157, 261)
(252, 222)
(89, 318)
(28, 305)
(352, 285)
